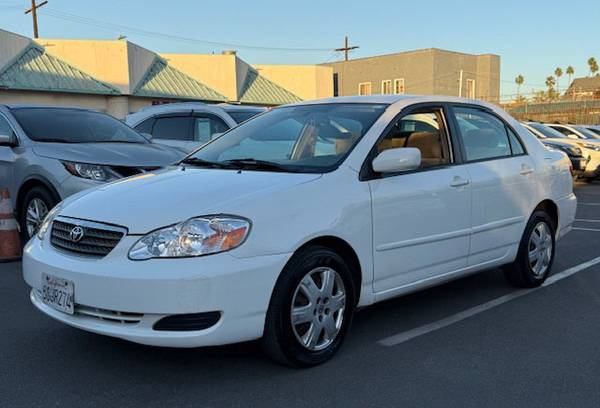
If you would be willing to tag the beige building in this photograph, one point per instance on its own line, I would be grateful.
(120, 77)
(429, 71)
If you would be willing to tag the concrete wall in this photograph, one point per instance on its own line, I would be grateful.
(428, 72)
(97, 102)
(305, 81)
(11, 46)
(106, 60)
(216, 71)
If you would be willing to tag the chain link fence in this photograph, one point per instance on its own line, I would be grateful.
(585, 112)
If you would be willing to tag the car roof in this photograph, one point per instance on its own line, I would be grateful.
(392, 99)
(35, 106)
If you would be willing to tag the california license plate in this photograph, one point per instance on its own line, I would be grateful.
(58, 293)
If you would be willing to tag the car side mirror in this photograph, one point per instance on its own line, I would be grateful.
(6, 140)
(397, 160)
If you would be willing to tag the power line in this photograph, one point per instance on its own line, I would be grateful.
(346, 48)
(154, 34)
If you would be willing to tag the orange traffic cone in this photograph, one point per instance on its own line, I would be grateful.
(10, 244)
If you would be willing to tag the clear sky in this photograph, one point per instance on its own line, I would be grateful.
(532, 37)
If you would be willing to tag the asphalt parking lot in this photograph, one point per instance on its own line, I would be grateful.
(470, 343)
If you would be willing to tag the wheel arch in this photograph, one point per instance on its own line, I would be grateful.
(346, 251)
(35, 181)
(550, 208)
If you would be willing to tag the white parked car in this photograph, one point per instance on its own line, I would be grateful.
(281, 228)
(189, 125)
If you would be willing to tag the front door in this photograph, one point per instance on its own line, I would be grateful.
(421, 219)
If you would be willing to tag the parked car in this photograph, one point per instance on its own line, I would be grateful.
(48, 153)
(189, 125)
(581, 157)
(595, 129)
(285, 225)
(576, 132)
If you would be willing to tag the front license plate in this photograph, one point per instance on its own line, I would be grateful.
(58, 293)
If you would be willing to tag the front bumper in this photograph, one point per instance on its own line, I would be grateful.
(238, 288)
(592, 168)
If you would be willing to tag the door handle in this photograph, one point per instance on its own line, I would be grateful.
(458, 181)
(525, 169)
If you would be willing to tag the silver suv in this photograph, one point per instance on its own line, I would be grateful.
(48, 153)
(189, 125)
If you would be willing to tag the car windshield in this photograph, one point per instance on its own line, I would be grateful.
(63, 125)
(546, 131)
(306, 138)
(242, 116)
(588, 134)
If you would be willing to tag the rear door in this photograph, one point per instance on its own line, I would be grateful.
(206, 127)
(502, 182)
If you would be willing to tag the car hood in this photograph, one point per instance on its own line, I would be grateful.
(115, 154)
(157, 199)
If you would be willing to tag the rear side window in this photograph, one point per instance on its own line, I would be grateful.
(483, 135)
(205, 128)
(242, 116)
(172, 128)
(5, 128)
(515, 143)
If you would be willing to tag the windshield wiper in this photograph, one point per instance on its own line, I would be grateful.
(194, 161)
(249, 163)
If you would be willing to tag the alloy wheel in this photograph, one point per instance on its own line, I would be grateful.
(36, 212)
(540, 249)
(317, 311)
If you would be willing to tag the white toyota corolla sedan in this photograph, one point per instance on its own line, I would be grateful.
(279, 229)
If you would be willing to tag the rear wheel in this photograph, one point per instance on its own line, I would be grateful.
(36, 204)
(311, 308)
(536, 253)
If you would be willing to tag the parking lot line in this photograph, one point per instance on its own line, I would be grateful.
(586, 229)
(584, 220)
(588, 203)
(403, 337)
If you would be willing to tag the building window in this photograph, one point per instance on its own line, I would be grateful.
(399, 85)
(386, 87)
(364, 88)
(470, 89)
(336, 89)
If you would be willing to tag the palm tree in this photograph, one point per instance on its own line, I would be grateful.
(570, 71)
(519, 80)
(558, 72)
(550, 82)
(593, 64)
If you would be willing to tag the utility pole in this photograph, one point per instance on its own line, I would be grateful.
(460, 81)
(33, 11)
(346, 48)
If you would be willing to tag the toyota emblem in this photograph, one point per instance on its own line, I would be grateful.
(76, 234)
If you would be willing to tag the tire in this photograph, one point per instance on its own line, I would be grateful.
(526, 273)
(283, 341)
(36, 193)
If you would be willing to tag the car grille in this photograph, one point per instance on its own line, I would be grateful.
(97, 240)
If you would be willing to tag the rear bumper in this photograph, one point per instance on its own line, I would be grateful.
(567, 207)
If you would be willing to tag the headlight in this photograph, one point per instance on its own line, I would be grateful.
(194, 237)
(91, 171)
(47, 222)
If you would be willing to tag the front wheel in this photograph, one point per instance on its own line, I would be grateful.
(536, 253)
(37, 202)
(311, 308)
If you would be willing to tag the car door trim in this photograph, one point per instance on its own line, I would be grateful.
(424, 240)
(498, 224)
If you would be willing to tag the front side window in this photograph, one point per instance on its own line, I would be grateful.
(483, 135)
(386, 87)
(425, 131)
(172, 128)
(205, 128)
(62, 125)
(364, 88)
(307, 138)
